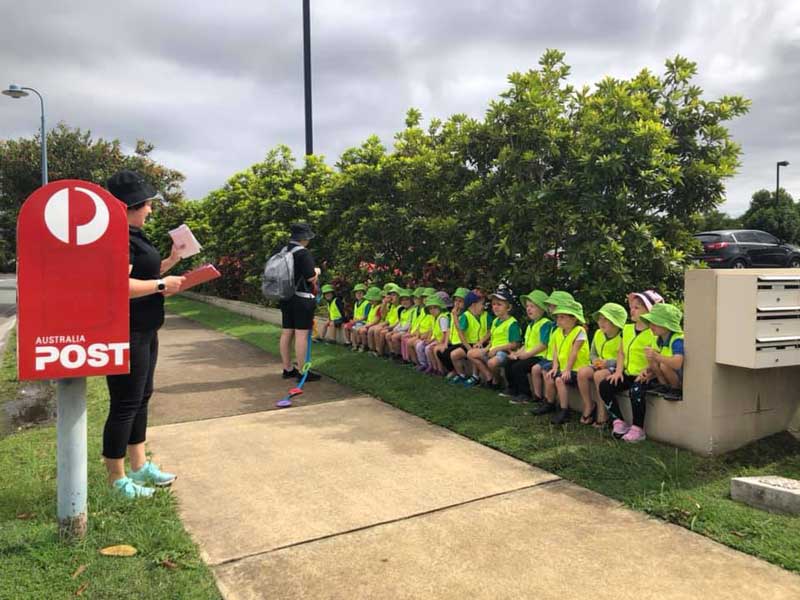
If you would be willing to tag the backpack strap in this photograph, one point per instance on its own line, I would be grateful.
(300, 294)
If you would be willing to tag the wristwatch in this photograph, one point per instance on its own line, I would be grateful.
(160, 285)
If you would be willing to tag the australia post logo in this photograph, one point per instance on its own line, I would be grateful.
(72, 249)
(57, 213)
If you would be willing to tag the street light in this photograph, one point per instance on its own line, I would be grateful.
(16, 91)
(778, 165)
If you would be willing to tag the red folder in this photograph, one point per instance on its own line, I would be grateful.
(199, 275)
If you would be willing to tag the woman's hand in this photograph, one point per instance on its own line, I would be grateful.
(173, 285)
(175, 253)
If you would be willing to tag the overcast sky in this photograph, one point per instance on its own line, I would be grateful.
(215, 85)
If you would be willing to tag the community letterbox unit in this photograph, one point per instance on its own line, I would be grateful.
(758, 320)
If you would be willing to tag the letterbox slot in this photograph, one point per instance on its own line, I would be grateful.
(776, 309)
(778, 317)
(780, 278)
(795, 339)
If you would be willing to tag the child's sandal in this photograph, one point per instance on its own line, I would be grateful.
(589, 419)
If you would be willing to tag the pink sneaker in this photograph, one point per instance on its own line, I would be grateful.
(620, 428)
(635, 434)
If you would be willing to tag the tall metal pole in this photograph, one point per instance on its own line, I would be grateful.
(777, 181)
(307, 72)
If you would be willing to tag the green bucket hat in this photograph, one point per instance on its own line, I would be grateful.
(557, 298)
(537, 297)
(460, 293)
(391, 288)
(359, 287)
(405, 293)
(570, 307)
(434, 300)
(419, 292)
(328, 288)
(429, 291)
(614, 312)
(667, 316)
(373, 294)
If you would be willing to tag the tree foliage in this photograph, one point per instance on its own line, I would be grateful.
(595, 189)
(781, 218)
(72, 154)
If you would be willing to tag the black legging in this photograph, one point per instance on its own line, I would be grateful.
(636, 392)
(444, 355)
(127, 416)
(517, 374)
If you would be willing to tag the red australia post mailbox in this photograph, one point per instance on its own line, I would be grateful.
(72, 283)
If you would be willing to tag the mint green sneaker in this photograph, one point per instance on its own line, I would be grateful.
(149, 473)
(126, 487)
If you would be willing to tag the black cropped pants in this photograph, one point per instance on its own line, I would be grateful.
(127, 416)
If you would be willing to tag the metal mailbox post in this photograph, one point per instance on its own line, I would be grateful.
(72, 315)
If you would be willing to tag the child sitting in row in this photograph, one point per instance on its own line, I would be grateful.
(631, 372)
(538, 370)
(570, 354)
(666, 363)
(335, 314)
(437, 308)
(375, 299)
(395, 333)
(469, 331)
(611, 318)
(533, 351)
(360, 310)
(504, 337)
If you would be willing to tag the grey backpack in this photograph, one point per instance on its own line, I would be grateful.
(277, 281)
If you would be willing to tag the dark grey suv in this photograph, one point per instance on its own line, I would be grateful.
(744, 248)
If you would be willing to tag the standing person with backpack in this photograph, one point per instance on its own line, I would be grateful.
(297, 312)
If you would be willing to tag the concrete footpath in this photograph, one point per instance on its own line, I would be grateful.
(343, 496)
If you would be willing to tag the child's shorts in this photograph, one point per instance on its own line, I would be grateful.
(546, 365)
(611, 365)
(501, 356)
(401, 329)
(573, 382)
(338, 322)
(358, 325)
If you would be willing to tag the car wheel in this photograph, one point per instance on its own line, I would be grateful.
(738, 264)
(794, 262)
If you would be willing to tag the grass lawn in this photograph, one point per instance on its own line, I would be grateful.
(35, 564)
(661, 480)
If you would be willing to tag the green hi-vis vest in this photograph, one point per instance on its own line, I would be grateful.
(471, 333)
(500, 332)
(425, 324)
(605, 348)
(484, 324)
(666, 349)
(416, 317)
(392, 317)
(437, 333)
(373, 314)
(333, 310)
(360, 310)
(533, 335)
(633, 346)
(564, 348)
(406, 316)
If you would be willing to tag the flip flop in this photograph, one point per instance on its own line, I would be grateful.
(590, 418)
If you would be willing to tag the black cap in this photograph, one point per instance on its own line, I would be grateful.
(301, 231)
(130, 188)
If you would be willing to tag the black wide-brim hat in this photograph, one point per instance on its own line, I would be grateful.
(130, 188)
(301, 231)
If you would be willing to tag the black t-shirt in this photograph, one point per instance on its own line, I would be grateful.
(147, 312)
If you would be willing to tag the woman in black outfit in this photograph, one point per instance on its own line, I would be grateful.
(125, 428)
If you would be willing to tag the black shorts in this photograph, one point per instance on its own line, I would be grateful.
(298, 313)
